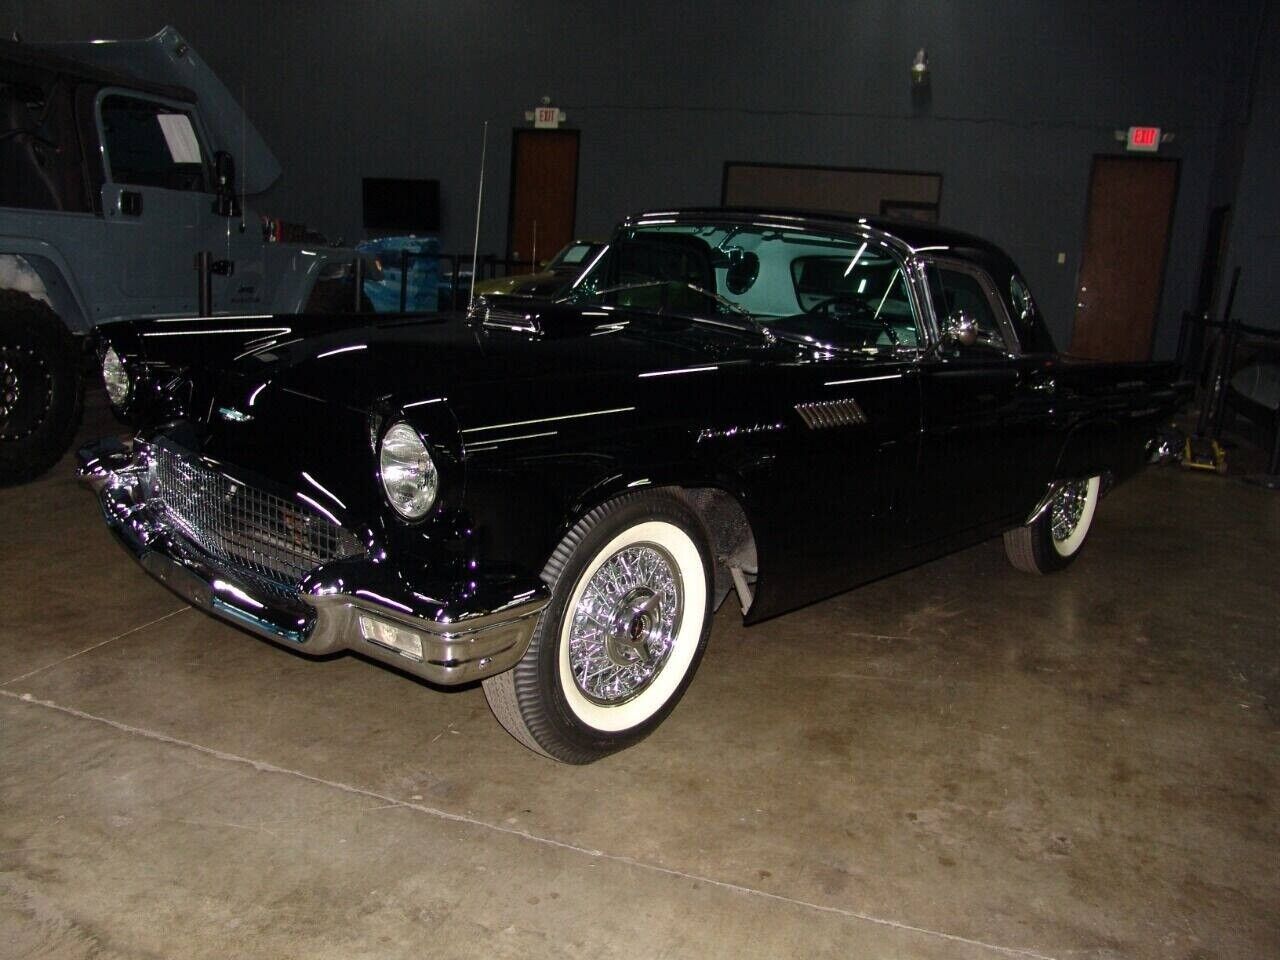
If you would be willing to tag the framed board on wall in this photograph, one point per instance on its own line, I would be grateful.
(857, 191)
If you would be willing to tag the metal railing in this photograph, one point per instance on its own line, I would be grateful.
(1215, 377)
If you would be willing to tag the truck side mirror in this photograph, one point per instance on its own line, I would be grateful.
(224, 173)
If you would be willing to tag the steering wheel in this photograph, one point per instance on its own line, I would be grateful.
(855, 310)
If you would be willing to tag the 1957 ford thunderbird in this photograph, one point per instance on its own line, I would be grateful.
(554, 498)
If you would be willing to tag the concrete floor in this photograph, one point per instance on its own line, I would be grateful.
(957, 762)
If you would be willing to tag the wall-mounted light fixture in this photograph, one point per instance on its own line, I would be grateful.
(920, 69)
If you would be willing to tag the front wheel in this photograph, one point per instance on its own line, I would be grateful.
(617, 645)
(40, 388)
(1053, 539)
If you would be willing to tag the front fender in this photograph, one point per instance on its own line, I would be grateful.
(521, 508)
(55, 277)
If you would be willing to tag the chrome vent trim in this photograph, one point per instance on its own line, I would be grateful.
(825, 414)
(505, 317)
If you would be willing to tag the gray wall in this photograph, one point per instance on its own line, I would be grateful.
(1255, 230)
(1023, 95)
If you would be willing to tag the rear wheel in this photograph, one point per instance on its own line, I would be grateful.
(1054, 538)
(617, 645)
(40, 388)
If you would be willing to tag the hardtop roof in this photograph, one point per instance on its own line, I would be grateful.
(16, 54)
(911, 234)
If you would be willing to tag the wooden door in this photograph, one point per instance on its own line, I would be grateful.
(1122, 267)
(544, 193)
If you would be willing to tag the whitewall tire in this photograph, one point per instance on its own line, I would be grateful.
(1053, 539)
(622, 636)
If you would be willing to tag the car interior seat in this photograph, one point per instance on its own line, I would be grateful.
(24, 179)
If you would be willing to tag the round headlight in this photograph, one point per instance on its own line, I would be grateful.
(115, 377)
(408, 473)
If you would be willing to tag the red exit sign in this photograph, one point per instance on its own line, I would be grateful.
(1144, 139)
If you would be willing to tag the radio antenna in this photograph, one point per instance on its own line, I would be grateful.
(244, 147)
(475, 244)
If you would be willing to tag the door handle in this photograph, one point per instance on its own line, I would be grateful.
(130, 203)
(1043, 385)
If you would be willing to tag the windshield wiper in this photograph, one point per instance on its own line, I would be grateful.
(709, 294)
(814, 343)
(724, 302)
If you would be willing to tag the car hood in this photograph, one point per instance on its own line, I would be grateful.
(256, 385)
(298, 403)
(477, 369)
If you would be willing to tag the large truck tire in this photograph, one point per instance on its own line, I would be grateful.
(41, 394)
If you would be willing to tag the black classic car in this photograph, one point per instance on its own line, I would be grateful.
(554, 498)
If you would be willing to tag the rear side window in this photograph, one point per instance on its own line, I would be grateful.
(150, 144)
(1027, 321)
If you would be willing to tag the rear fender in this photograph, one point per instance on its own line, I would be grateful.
(1098, 448)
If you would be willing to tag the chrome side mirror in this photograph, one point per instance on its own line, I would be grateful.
(961, 329)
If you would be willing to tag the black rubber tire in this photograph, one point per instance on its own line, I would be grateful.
(1032, 548)
(44, 418)
(528, 700)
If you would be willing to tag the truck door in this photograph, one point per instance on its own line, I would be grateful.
(156, 201)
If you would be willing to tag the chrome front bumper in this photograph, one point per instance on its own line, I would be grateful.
(459, 645)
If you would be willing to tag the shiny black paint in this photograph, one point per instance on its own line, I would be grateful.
(531, 429)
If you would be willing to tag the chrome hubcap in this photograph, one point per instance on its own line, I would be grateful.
(1068, 507)
(625, 624)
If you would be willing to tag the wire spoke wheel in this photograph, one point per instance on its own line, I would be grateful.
(1067, 509)
(624, 625)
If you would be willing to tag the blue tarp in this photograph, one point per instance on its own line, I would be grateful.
(421, 280)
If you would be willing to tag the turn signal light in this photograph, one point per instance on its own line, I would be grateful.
(407, 643)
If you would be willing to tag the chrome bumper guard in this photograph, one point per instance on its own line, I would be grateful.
(457, 646)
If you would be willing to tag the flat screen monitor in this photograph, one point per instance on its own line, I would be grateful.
(412, 206)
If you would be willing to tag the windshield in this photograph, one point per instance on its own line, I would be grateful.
(825, 289)
(572, 257)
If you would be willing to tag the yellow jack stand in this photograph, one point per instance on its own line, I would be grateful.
(1201, 453)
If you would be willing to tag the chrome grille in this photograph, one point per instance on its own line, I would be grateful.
(831, 413)
(252, 531)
